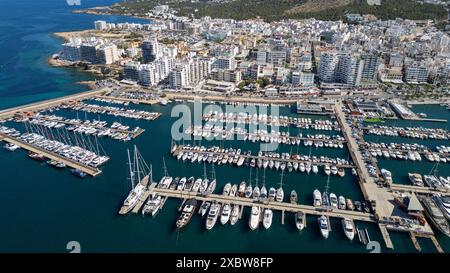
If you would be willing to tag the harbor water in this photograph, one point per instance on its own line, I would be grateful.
(45, 208)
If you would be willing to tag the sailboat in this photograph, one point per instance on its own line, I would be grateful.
(138, 168)
(280, 193)
(263, 192)
(256, 191)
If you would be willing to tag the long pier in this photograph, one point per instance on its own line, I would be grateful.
(246, 202)
(37, 106)
(425, 190)
(135, 101)
(51, 155)
(212, 153)
(259, 135)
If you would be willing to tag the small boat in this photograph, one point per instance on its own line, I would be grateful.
(233, 190)
(234, 214)
(349, 204)
(267, 219)
(225, 215)
(317, 196)
(294, 197)
(333, 201)
(279, 195)
(248, 191)
(416, 179)
(78, 173)
(181, 184)
(56, 164)
(197, 185)
(387, 175)
(354, 173)
(341, 172)
(365, 206)
(204, 208)
(358, 206)
(256, 192)
(349, 228)
(263, 192)
(324, 226)
(342, 203)
(334, 170)
(226, 189)
(35, 156)
(241, 190)
(254, 218)
(11, 147)
(272, 193)
(189, 184)
(300, 220)
(327, 169)
(211, 187)
(213, 214)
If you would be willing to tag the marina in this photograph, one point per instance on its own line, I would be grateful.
(149, 199)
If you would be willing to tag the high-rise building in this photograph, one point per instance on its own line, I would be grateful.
(302, 78)
(131, 71)
(71, 52)
(147, 75)
(88, 52)
(107, 54)
(233, 76)
(416, 72)
(328, 65)
(224, 63)
(150, 50)
(179, 77)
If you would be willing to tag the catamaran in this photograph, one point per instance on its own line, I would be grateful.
(153, 204)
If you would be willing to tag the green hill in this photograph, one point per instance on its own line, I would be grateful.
(271, 10)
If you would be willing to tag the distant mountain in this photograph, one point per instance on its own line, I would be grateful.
(271, 10)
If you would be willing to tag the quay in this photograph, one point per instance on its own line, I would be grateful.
(246, 202)
(417, 189)
(179, 149)
(134, 101)
(37, 106)
(51, 155)
(114, 111)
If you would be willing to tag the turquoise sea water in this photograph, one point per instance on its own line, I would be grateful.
(44, 208)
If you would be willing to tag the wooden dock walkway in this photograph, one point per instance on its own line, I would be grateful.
(268, 122)
(386, 236)
(280, 206)
(51, 155)
(417, 189)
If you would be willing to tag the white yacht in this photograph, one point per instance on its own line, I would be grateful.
(267, 219)
(324, 226)
(300, 220)
(349, 228)
(317, 198)
(333, 200)
(225, 215)
(234, 214)
(213, 214)
(443, 203)
(226, 189)
(272, 193)
(327, 169)
(233, 190)
(279, 195)
(254, 218)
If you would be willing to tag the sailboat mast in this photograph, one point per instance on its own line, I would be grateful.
(131, 170)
